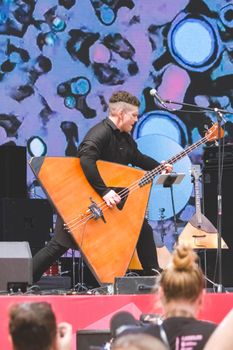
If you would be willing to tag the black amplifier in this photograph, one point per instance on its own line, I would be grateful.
(210, 155)
(135, 285)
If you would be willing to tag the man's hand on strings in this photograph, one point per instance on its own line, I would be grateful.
(167, 167)
(111, 198)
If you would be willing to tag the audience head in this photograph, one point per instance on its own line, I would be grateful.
(137, 341)
(183, 279)
(121, 322)
(32, 326)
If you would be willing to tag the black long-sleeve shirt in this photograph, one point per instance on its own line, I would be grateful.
(104, 141)
(179, 333)
(184, 332)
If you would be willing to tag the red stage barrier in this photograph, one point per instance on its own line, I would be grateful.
(95, 311)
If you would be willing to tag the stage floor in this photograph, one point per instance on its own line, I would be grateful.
(95, 311)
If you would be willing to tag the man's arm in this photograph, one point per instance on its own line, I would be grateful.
(91, 150)
(89, 154)
(89, 167)
(148, 163)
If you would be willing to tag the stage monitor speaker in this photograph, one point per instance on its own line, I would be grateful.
(134, 285)
(16, 265)
(92, 339)
(26, 220)
(210, 185)
(13, 174)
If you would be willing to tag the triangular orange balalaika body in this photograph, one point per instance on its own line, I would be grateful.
(107, 246)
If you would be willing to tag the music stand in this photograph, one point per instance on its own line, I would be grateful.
(168, 180)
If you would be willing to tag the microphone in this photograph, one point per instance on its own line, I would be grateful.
(155, 94)
(123, 322)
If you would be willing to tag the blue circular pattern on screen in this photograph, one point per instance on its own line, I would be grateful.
(58, 24)
(70, 101)
(36, 146)
(161, 147)
(50, 38)
(107, 15)
(15, 57)
(194, 42)
(80, 86)
(163, 123)
(226, 15)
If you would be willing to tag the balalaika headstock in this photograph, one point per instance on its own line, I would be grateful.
(212, 133)
(196, 171)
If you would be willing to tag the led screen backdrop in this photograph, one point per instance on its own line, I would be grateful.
(61, 60)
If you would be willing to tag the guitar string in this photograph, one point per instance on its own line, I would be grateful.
(123, 194)
(148, 177)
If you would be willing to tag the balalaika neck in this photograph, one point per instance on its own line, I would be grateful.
(149, 176)
(197, 198)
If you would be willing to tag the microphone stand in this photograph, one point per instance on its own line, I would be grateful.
(219, 204)
(219, 113)
(197, 108)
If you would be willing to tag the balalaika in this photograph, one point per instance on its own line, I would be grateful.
(106, 237)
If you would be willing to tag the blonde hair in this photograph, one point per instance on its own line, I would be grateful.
(183, 278)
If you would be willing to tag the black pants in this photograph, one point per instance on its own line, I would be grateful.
(57, 246)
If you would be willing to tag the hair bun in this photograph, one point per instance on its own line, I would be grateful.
(184, 258)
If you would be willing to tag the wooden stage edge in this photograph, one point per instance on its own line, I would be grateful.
(95, 311)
